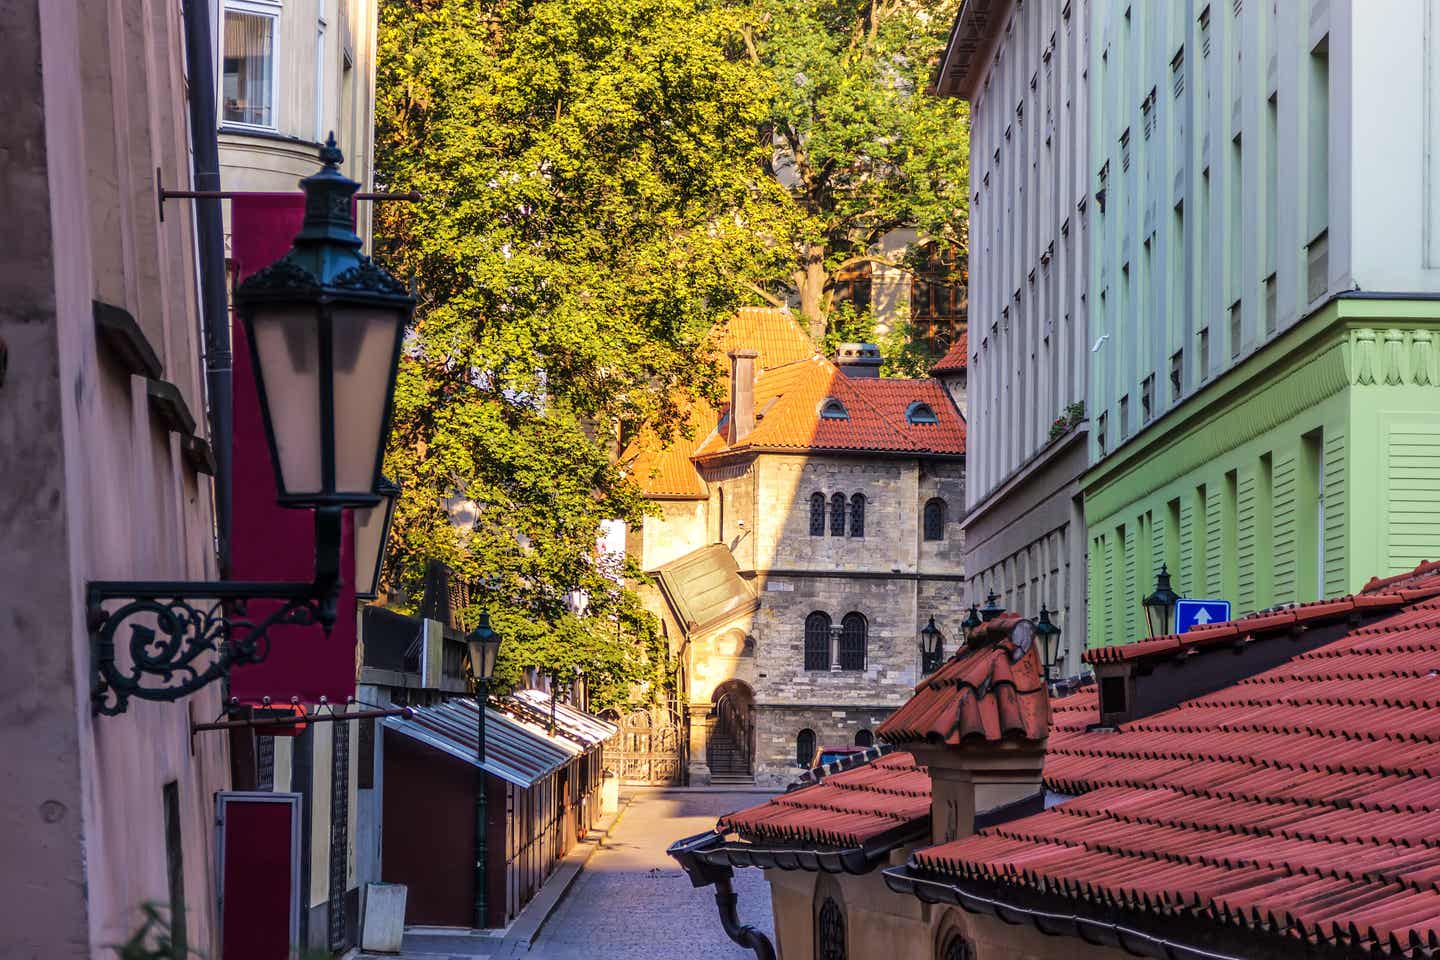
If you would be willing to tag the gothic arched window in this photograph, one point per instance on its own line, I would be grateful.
(864, 738)
(817, 514)
(852, 642)
(805, 747)
(934, 519)
(857, 515)
(830, 939)
(837, 515)
(817, 641)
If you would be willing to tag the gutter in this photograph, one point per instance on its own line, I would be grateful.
(210, 243)
(703, 874)
(1089, 929)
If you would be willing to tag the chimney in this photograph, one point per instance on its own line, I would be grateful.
(980, 724)
(858, 360)
(742, 396)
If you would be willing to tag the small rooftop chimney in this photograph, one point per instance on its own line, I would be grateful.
(742, 396)
(858, 359)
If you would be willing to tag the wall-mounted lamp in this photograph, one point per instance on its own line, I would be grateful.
(932, 650)
(325, 327)
(372, 533)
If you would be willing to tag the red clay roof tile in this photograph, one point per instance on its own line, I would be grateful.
(957, 358)
(845, 809)
(1306, 797)
(993, 691)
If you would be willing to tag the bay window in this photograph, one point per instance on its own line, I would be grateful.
(248, 78)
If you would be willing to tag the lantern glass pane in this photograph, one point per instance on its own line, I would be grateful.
(369, 547)
(364, 348)
(287, 354)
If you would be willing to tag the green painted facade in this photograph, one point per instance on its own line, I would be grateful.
(1301, 472)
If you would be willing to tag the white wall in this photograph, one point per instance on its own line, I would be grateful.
(1028, 239)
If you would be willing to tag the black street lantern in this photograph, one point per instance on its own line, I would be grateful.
(1160, 605)
(484, 644)
(971, 622)
(932, 650)
(1050, 649)
(325, 327)
(372, 533)
(992, 608)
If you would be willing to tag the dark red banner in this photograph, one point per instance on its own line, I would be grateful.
(267, 541)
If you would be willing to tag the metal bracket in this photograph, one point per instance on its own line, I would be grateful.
(170, 636)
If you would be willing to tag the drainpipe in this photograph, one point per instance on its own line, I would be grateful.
(746, 936)
(210, 239)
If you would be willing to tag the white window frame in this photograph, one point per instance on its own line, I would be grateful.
(264, 8)
(320, 27)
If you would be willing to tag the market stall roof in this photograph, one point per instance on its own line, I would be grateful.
(574, 724)
(515, 751)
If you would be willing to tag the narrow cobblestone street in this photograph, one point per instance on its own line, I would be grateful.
(633, 903)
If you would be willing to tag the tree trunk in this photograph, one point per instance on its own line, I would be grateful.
(810, 281)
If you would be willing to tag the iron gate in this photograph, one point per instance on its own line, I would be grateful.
(648, 749)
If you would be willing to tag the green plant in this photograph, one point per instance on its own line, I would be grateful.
(154, 940)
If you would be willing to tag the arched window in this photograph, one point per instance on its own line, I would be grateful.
(857, 515)
(837, 515)
(805, 747)
(852, 642)
(833, 409)
(817, 514)
(864, 738)
(957, 948)
(934, 519)
(830, 938)
(817, 641)
(921, 412)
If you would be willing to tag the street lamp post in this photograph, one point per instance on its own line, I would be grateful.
(325, 326)
(992, 608)
(931, 650)
(1049, 635)
(1159, 604)
(484, 644)
(971, 621)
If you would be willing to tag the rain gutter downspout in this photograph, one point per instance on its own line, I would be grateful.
(702, 874)
(210, 241)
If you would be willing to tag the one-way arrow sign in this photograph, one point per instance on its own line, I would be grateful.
(1197, 613)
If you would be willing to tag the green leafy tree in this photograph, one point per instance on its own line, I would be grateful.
(593, 201)
(860, 145)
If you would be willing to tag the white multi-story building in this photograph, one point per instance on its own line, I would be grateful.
(1023, 68)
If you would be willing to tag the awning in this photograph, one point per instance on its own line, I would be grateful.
(576, 725)
(515, 751)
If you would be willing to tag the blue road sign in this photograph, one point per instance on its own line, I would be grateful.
(1197, 613)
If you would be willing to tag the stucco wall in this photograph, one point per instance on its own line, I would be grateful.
(882, 925)
(97, 487)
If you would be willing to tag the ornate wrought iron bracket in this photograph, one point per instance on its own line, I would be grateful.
(176, 646)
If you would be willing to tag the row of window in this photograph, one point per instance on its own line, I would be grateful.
(839, 509)
(805, 744)
(250, 64)
(843, 645)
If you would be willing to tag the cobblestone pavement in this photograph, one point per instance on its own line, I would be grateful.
(632, 902)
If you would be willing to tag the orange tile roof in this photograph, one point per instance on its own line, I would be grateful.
(1303, 801)
(845, 809)
(788, 402)
(993, 691)
(792, 383)
(957, 358)
(770, 331)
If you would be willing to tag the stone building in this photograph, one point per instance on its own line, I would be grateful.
(807, 532)
(1022, 67)
(1209, 798)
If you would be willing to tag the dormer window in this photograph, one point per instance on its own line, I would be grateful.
(833, 409)
(920, 412)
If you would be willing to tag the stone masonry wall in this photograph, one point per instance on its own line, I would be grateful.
(777, 729)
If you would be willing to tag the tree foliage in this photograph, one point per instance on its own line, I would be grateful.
(859, 144)
(594, 200)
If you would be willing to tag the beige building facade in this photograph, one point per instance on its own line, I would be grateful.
(794, 562)
(103, 458)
